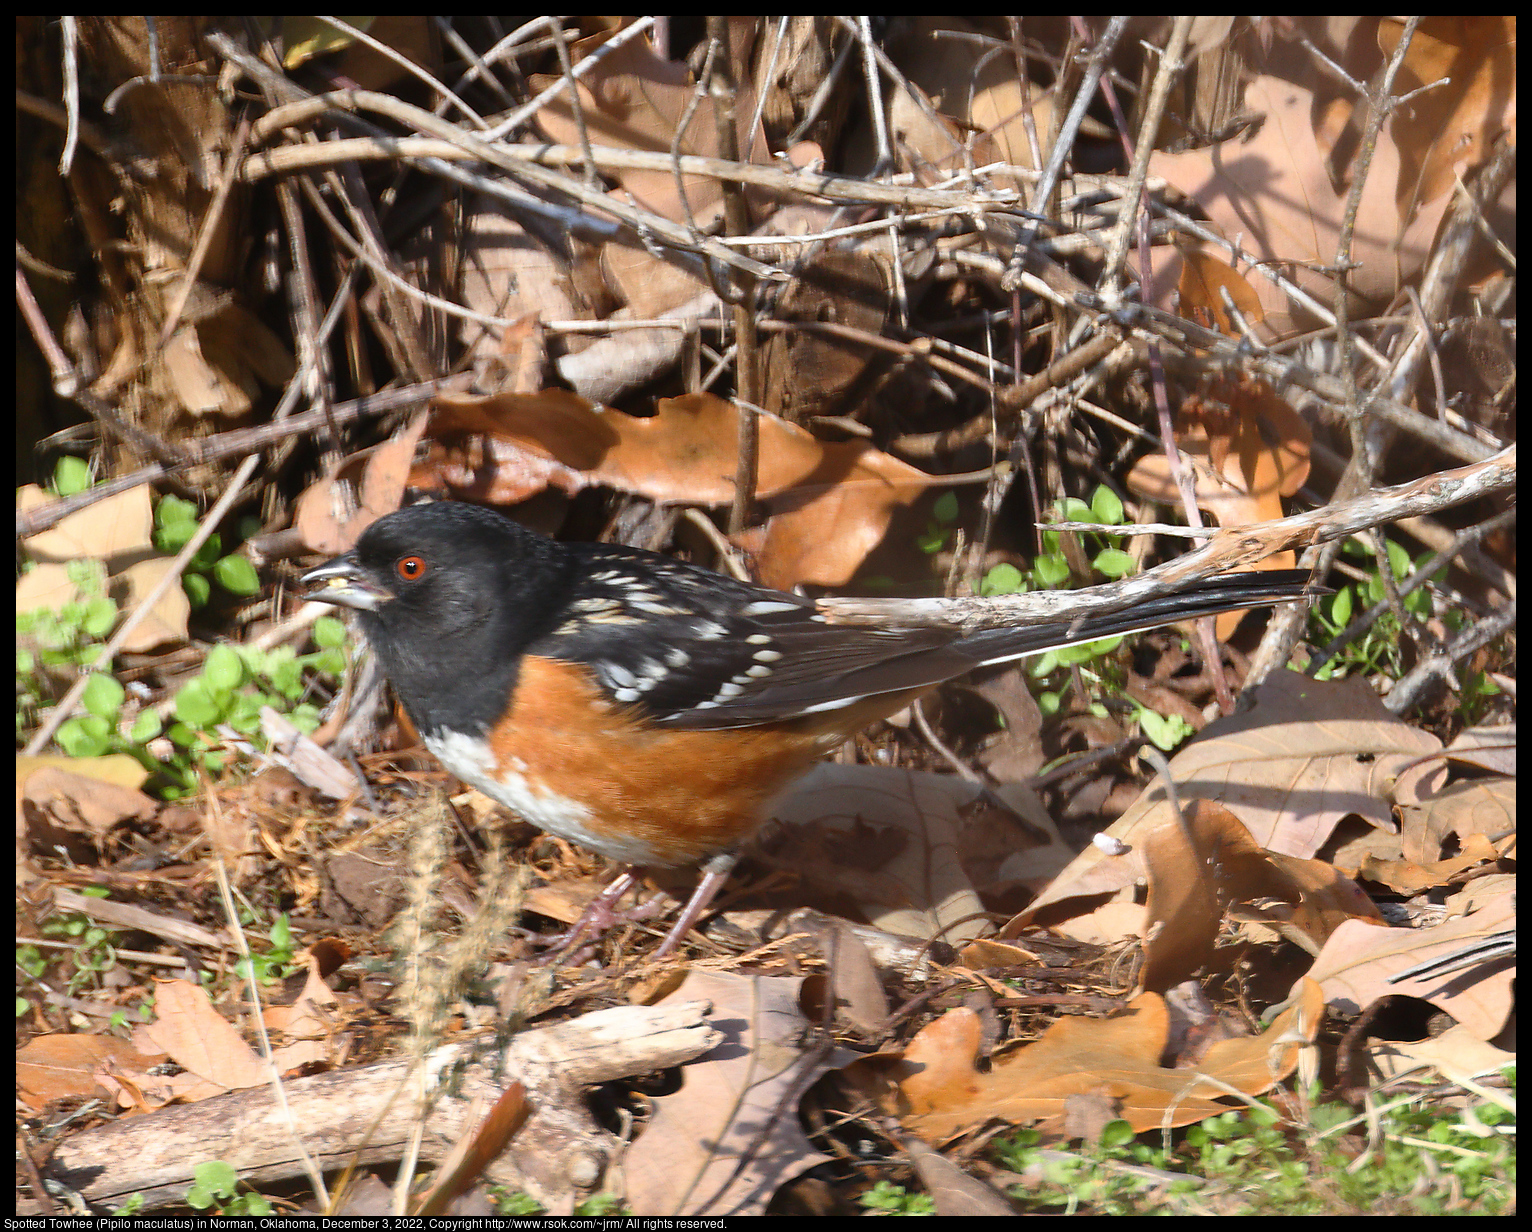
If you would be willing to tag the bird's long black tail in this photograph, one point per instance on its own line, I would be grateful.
(1205, 598)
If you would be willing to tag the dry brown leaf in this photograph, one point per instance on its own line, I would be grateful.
(475, 1151)
(1481, 807)
(208, 1047)
(46, 587)
(1197, 872)
(116, 768)
(330, 520)
(1457, 1054)
(954, 1192)
(1306, 755)
(1246, 448)
(1273, 190)
(1119, 1058)
(634, 100)
(119, 526)
(855, 982)
(974, 88)
(1447, 131)
(509, 273)
(831, 502)
(311, 1016)
(821, 531)
(1203, 278)
(934, 895)
(1254, 447)
(986, 953)
(217, 364)
(63, 803)
(689, 452)
(53, 1067)
(1486, 748)
(730, 1137)
(119, 532)
(166, 623)
(1408, 877)
(1357, 961)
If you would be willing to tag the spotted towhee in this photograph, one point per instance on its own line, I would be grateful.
(645, 708)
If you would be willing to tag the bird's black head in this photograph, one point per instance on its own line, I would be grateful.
(449, 595)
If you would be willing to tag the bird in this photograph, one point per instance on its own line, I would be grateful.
(643, 707)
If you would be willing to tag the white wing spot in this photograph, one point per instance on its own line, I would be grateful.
(619, 675)
(839, 703)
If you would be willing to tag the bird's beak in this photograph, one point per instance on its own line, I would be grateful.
(343, 581)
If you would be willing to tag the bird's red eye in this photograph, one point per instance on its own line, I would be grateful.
(410, 568)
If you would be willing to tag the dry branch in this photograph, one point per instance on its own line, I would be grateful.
(1231, 548)
(359, 1116)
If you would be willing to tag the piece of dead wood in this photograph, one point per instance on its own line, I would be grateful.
(365, 1116)
(144, 919)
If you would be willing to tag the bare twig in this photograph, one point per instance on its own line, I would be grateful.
(1436, 669)
(1232, 548)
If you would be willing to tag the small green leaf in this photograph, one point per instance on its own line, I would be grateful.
(1076, 510)
(1087, 651)
(946, 508)
(197, 588)
(207, 555)
(87, 576)
(100, 616)
(1051, 571)
(175, 522)
(287, 679)
(237, 575)
(329, 633)
(305, 717)
(1117, 1133)
(71, 476)
(85, 736)
(1003, 579)
(223, 671)
(331, 662)
(1341, 607)
(1164, 731)
(1113, 563)
(103, 696)
(1106, 506)
(196, 706)
(173, 511)
(145, 728)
